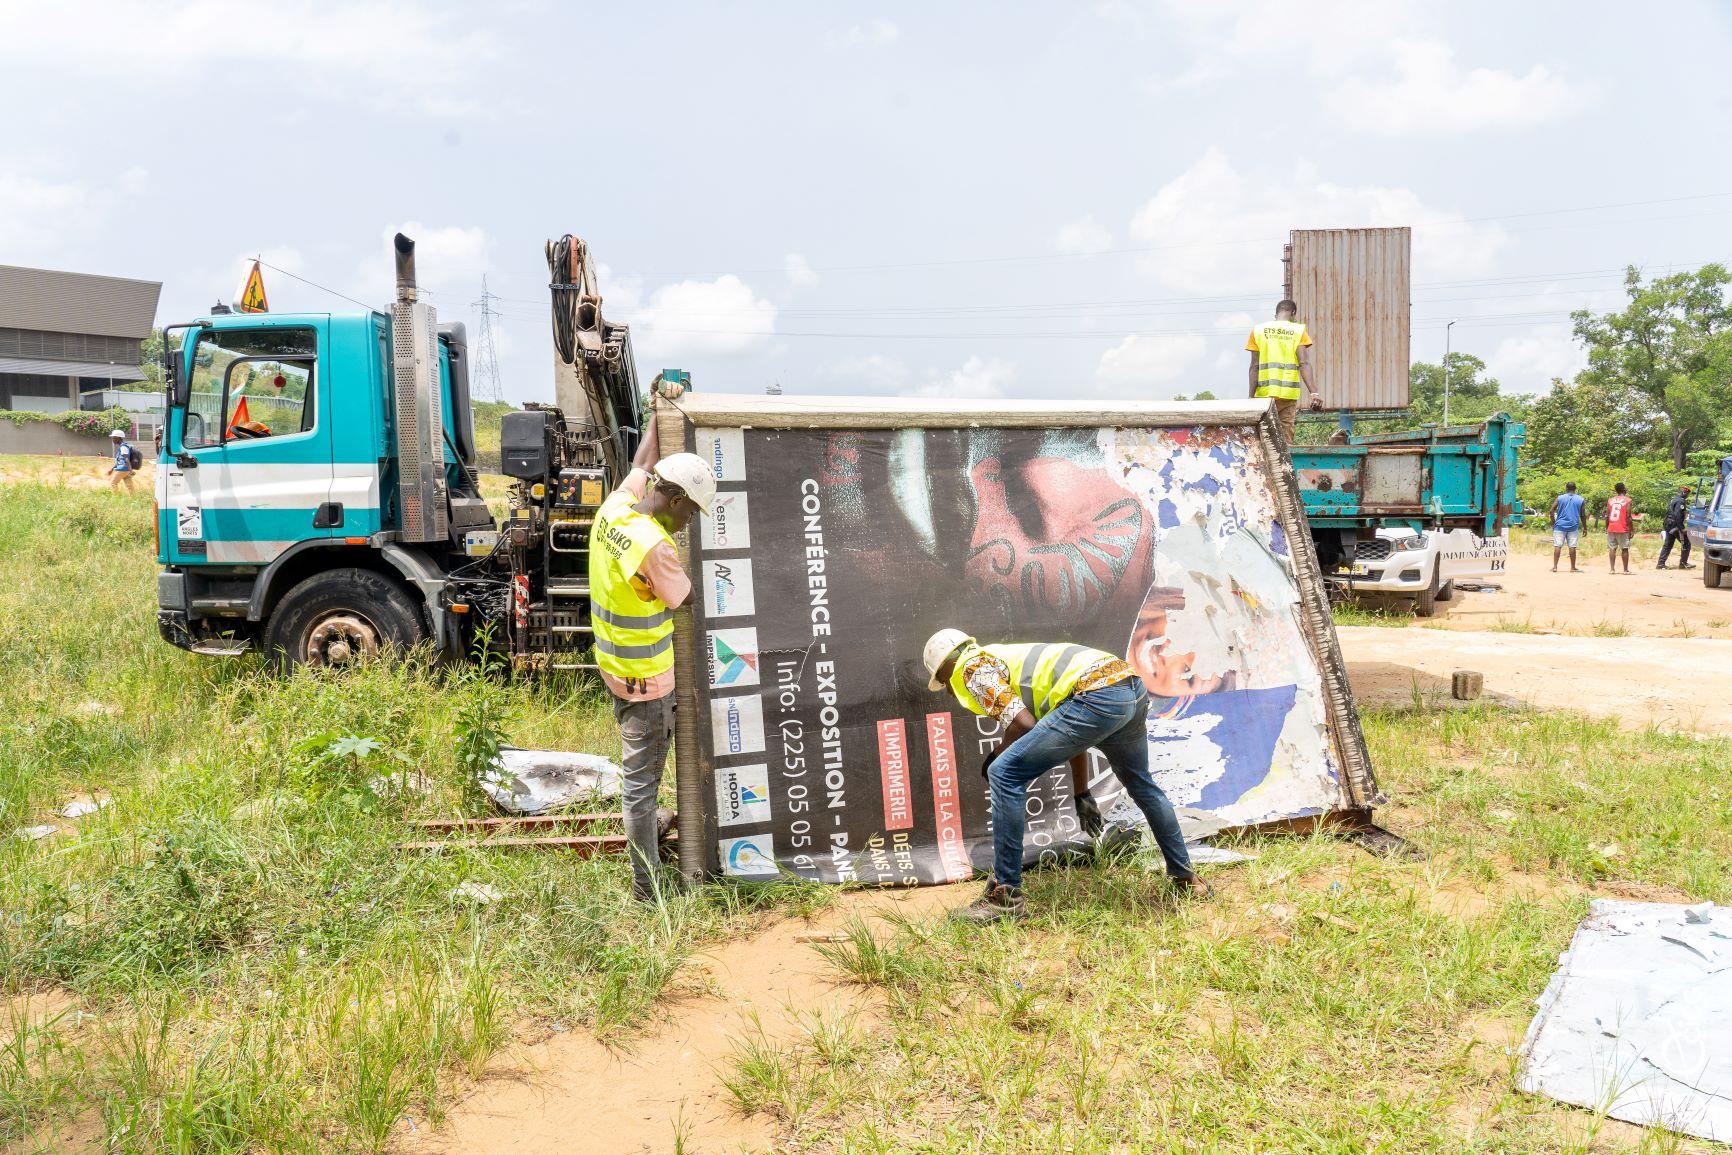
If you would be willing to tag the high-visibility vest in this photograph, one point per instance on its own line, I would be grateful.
(634, 634)
(1278, 359)
(1043, 673)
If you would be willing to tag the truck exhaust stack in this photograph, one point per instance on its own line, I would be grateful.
(405, 253)
(420, 424)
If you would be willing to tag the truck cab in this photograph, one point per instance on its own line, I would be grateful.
(281, 483)
(1710, 523)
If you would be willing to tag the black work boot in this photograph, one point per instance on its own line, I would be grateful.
(997, 904)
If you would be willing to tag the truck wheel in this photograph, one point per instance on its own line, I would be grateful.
(342, 617)
(1446, 591)
(1711, 573)
(1425, 602)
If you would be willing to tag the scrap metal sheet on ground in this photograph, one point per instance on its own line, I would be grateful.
(832, 553)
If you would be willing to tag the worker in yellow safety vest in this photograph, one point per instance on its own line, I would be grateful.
(635, 584)
(1055, 702)
(1281, 365)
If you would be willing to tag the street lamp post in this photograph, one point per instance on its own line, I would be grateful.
(1446, 330)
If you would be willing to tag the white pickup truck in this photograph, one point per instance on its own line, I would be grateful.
(1423, 565)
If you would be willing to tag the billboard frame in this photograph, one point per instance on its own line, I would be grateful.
(679, 420)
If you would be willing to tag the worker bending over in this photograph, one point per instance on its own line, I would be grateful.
(636, 582)
(1056, 702)
(1281, 364)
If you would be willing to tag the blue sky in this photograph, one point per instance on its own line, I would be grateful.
(957, 199)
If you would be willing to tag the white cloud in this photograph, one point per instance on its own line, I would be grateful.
(872, 34)
(1431, 96)
(1380, 72)
(873, 373)
(799, 271)
(1083, 235)
(386, 52)
(1144, 360)
(719, 318)
(978, 377)
(449, 261)
(37, 215)
(1527, 362)
(1218, 229)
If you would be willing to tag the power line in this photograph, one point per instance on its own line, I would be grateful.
(316, 285)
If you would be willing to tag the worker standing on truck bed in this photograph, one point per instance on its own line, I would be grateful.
(1281, 364)
(1077, 698)
(636, 582)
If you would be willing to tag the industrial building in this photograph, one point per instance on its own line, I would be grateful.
(68, 339)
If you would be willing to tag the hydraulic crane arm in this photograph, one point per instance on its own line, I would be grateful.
(595, 377)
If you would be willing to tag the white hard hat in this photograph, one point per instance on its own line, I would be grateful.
(692, 474)
(939, 647)
(119, 434)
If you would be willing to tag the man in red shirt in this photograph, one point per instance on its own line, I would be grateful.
(1620, 526)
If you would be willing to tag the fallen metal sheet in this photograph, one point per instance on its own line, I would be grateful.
(1636, 1020)
(537, 781)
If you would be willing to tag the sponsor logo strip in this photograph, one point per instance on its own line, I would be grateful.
(742, 795)
(946, 798)
(734, 657)
(893, 774)
(737, 725)
(729, 525)
(728, 589)
(753, 856)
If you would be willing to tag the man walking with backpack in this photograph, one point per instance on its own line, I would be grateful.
(127, 461)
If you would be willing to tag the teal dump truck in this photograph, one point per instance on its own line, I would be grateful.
(317, 489)
(1389, 510)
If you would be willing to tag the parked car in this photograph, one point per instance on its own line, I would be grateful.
(1710, 523)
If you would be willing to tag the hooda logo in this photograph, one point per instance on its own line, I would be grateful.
(742, 795)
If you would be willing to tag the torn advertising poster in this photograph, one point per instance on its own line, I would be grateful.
(1635, 1021)
(845, 532)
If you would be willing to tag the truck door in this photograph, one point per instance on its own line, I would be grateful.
(248, 467)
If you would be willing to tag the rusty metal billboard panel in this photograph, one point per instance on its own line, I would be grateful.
(845, 530)
(1354, 291)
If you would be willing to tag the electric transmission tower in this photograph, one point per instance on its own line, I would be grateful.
(488, 386)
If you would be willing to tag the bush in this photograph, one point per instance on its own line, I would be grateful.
(1651, 482)
(96, 423)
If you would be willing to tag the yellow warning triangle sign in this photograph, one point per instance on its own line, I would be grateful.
(252, 298)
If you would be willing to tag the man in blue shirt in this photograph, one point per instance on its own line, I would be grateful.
(121, 470)
(1567, 524)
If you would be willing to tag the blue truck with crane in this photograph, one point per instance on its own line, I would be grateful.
(319, 500)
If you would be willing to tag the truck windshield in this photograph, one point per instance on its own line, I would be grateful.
(250, 383)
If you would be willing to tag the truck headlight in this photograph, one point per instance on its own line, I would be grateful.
(1415, 542)
(1720, 536)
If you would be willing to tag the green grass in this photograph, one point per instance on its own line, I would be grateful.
(254, 965)
(233, 957)
(1324, 1001)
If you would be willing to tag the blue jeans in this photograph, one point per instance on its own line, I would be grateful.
(1113, 720)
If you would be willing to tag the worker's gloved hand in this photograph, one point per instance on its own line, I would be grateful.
(1316, 401)
(1089, 815)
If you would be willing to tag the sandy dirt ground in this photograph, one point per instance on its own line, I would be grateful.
(72, 472)
(1653, 647)
(572, 1092)
(1654, 603)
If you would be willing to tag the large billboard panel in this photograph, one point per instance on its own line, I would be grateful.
(809, 737)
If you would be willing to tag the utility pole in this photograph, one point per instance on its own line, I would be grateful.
(488, 386)
(1446, 330)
